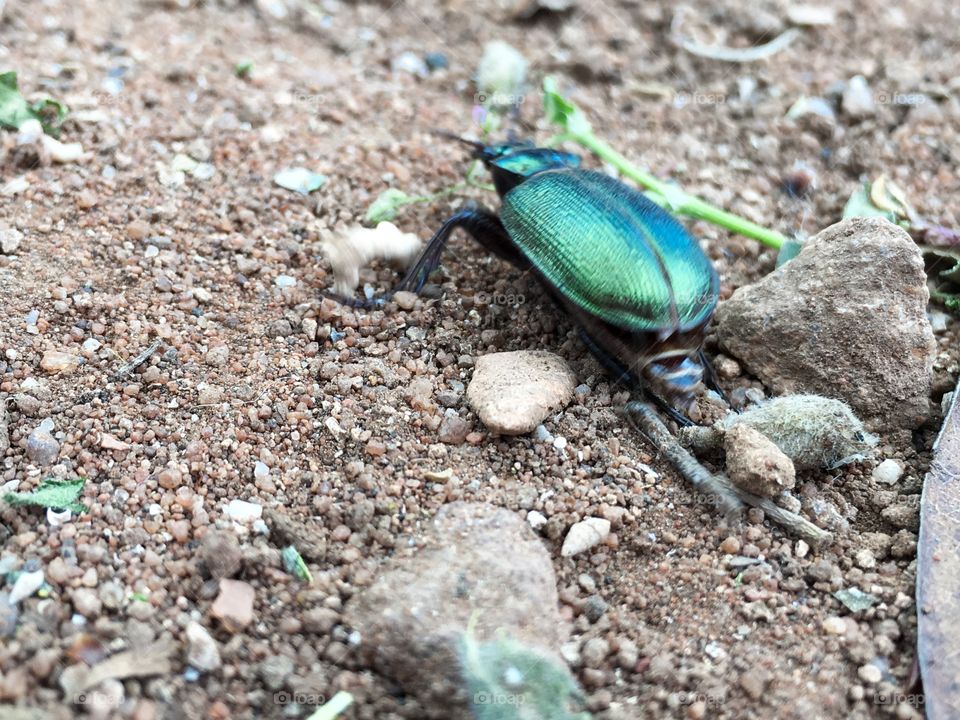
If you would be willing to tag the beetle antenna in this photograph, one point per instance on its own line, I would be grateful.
(478, 147)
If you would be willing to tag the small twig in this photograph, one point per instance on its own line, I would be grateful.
(724, 494)
(750, 54)
(136, 362)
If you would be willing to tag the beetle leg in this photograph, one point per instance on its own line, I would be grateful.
(620, 374)
(482, 225)
(710, 377)
(716, 487)
(617, 372)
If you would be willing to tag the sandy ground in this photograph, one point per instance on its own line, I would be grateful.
(251, 371)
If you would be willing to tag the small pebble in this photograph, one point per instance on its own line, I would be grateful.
(536, 520)
(244, 512)
(42, 448)
(835, 626)
(585, 535)
(55, 362)
(202, 650)
(888, 472)
(870, 674)
(730, 546)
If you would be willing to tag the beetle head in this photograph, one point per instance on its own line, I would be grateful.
(513, 161)
(512, 166)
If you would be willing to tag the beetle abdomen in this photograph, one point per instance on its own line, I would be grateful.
(611, 251)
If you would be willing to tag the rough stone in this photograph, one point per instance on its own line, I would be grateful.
(234, 605)
(478, 561)
(756, 464)
(220, 553)
(513, 392)
(846, 318)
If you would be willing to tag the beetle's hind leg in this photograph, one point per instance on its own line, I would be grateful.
(482, 225)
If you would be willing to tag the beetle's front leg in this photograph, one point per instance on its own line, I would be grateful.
(482, 225)
(621, 374)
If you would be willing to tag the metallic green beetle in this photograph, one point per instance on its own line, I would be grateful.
(637, 284)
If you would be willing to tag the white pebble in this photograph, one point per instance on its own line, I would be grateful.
(584, 535)
(835, 626)
(57, 518)
(536, 519)
(25, 586)
(870, 674)
(242, 512)
(285, 281)
(888, 472)
(260, 470)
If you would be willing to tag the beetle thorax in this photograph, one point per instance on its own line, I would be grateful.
(678, 379)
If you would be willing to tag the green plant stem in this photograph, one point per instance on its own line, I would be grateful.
(672, 197)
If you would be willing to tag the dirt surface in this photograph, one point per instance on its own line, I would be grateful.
(250, 371)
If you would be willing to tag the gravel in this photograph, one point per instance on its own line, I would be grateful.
(851, 307)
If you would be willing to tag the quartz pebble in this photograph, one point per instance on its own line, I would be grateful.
(585, 535)
(202, 650)
(888, 472)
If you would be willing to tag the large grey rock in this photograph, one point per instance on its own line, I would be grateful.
(846, 318)
(513, 392)
(478, 561)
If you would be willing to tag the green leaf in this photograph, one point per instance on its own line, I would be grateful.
(243, 68)
(860, 205)
(561, 111)
(386, 206)
(293, 563)
(15, 110)
(51, 494)
(943, 272)
(507, 680)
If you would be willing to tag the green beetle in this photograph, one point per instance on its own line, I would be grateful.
(637, 284)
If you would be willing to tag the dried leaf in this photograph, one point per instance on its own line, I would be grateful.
(938, 574)
(887, 196)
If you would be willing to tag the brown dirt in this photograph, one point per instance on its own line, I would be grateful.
(713, 640)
